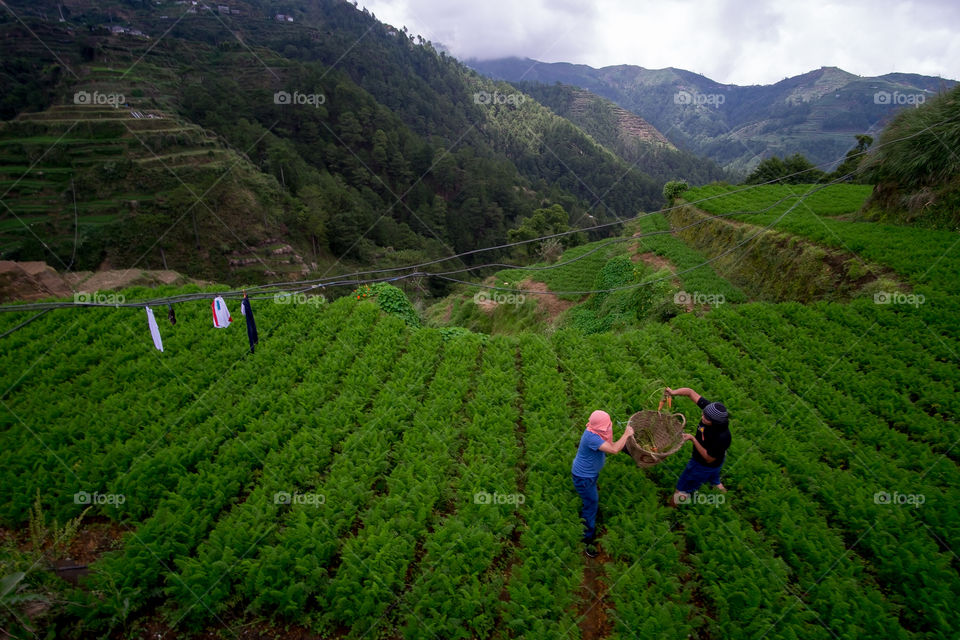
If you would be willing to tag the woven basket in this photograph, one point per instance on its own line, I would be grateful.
(655, 436)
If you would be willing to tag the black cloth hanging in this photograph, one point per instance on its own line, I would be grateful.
(171, 316)
(247, 312)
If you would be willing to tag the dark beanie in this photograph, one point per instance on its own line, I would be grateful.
(716, 412)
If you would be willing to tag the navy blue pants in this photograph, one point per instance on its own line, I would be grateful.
(695, 474)
(587, 490)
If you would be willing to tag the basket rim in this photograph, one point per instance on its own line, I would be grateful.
(674, 446)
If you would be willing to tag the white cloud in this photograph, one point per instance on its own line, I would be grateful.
(495, 28)
(759, 42)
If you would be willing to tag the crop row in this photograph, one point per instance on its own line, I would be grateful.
(885, 534)
(543, 584)
(184, 515)
(647, 586)
(793, 530)
(693, 270)
(832, 200)
(78, 439)
(861, 401)
(456, 593)
(916, 355)
(383, 552)
(579, 275)
(362, 439)
(153, 464)
(69, 344)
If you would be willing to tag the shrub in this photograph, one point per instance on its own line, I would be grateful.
(674, 189)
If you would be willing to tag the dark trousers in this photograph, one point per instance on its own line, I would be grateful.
(587, 490)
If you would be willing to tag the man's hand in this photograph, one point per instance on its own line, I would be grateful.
(698, 447)
(617, 447)
(684, 391)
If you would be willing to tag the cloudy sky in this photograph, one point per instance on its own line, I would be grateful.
(733, 41)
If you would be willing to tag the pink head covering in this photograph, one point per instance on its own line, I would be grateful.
(601, 424)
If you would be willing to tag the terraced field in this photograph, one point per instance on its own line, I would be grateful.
(356, 477)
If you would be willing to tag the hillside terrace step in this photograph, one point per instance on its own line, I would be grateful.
(71, 112)
(181, 154)
(81, 113)
(20, 170)
(100, 149)
(114, 115)
(58, 140)
(21, 183)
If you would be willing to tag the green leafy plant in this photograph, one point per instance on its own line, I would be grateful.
(391, 300)
(674, 189)
(29, 594)
(50, 541)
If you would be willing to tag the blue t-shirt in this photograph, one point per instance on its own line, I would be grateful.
(589, 458)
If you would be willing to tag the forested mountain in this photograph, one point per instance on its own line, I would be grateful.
(816, 113)
(627, 134)
(315, 131)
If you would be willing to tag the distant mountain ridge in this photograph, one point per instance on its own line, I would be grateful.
(625, 133)
(815, 113)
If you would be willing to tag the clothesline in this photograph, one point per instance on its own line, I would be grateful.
(272, 292)
(221, 320)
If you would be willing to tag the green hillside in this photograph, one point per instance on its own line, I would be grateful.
(924, 257)
(136, 185)
(917, 183)
(331, 480)
(771, 243)
(626, 133)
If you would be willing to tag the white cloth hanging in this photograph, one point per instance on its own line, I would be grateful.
(221, 316)
(154, 330)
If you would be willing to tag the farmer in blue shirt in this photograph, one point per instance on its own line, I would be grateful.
(710, 446)
(595, 443)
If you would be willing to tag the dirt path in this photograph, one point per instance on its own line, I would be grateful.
(654, 261)
(594, 624)
(548, 302)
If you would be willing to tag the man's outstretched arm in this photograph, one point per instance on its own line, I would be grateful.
(684, 391)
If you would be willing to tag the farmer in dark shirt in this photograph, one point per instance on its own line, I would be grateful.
(710, 446)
